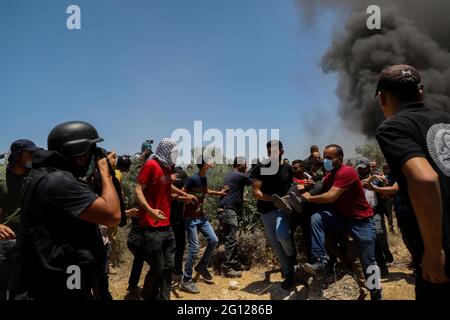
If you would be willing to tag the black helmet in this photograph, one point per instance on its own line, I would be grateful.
(72, 138)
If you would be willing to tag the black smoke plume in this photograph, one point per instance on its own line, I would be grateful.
(414, 32)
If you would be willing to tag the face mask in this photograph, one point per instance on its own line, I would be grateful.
(327, 164)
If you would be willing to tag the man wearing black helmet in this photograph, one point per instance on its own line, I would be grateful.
(60, 252)
(415, 142)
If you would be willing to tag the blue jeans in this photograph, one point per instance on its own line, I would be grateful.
(193, 225)
(276, 224)
(362, 231)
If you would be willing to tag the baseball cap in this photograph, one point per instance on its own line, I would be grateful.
(401, 78)
(362, 163)
(21, 145)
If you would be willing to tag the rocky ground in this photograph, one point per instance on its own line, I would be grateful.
(262, 283)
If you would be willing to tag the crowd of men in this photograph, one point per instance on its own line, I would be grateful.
(60, 208)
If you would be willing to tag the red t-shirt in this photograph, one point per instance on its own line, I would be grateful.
(157, 192)
(352, 203)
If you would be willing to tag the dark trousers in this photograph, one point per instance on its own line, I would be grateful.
(179, 232)
(6, 252)
(303, 221)
(426, 290)
(314, 190)
(135, 243)
(382, 251)
(389, 205)
(229, 221)
(136, 271)
(159, 251)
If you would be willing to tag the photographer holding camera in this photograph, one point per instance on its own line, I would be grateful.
(60, 253)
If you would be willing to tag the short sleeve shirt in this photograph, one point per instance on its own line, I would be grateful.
(352, 203)
(157, 192)
(195, 185)
(416, 131)
(235, 197)
(278, 183)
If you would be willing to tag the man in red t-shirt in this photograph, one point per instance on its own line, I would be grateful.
(153, 194)
(351, 214)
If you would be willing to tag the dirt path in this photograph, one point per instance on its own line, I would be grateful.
(261, 284)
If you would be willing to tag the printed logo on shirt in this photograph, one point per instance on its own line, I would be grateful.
(438, 142)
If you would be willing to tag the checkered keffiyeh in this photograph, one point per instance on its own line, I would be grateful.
(165, 151)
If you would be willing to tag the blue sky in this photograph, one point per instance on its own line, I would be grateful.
(139, 69)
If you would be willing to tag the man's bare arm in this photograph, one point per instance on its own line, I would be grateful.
(425, 196)
(328, 197)
(142, 202)
(257, 193)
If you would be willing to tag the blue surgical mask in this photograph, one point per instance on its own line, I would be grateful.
(327, 164)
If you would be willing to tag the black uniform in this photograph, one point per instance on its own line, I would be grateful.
(52, 237)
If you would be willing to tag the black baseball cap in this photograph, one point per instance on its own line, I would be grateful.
(21, 145)
(402, 79)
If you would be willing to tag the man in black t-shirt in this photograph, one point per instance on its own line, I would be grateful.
(60, 252)
(177, 222)
(266, 183)
(230, 205)
(415, 141)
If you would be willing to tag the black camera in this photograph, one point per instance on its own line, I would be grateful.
(123, 162)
